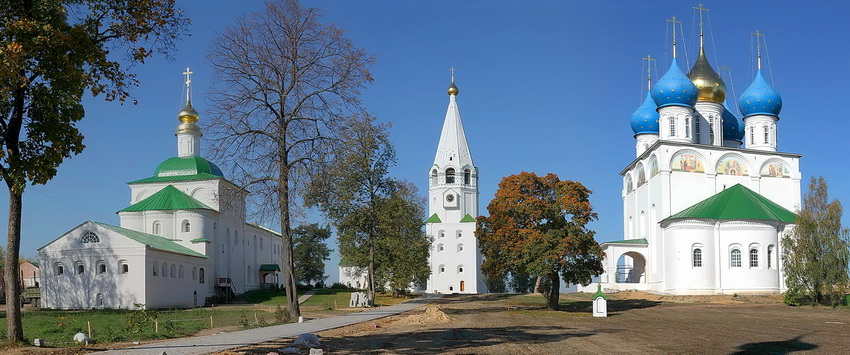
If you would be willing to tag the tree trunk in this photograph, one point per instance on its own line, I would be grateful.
(537, 284)
(14, 328)
(286, 233)
(554, 290)
(371, 290)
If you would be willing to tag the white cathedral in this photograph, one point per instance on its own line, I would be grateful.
(709, 197)
(182, 239)
(452, 206)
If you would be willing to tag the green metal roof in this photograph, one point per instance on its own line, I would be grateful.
(433, 219)
(199, 240)
(269, 267)
(167, 199)
(738, 203)
(628, 241)
(467, 218)
(153, 241)
(599, 293)
(191, 165)
(267, 229)
(201, 176)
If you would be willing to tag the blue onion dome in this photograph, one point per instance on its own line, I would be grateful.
(645, 118)
(760, 98)
(733, 127)
(674, 88)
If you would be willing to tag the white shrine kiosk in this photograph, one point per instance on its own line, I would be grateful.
(600, 303)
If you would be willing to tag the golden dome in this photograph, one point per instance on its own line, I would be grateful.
(710, 86)
(188, 114)
(453, 89)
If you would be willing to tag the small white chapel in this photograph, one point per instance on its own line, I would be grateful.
(182, 239)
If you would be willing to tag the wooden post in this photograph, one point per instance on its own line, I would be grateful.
(156, 325)
(256, 320)
(211, 323)
(89, 324)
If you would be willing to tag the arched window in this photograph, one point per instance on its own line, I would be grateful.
(60, 270)
(770, 256)
(173, 274)
(89, 237)
(123, 266)
(459, 234)
(101, 267)
(180, 271)
(735, 258)
(765, 134)
(711, 129)
(752, 134)
(155, 268)
(98, 300)
(754, 257)
(672, 126)
(157, 228)
(442, 234)
(80, 269)
(187, 227)
(194, 273)
(442, 269)
(697, 257)
(434, 177)
(696, 129)
(450, 176)
(439, 247)
(466, 176)
(460, 269)
(164, 270)
(460, 247)
(201, 276)
(687, 128)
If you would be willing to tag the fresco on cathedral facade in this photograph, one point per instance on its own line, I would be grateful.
(775, 169)
(731, 166)
(687, 162)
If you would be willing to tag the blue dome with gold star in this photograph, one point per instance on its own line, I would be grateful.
(760, 98)
(733, 127)
(645, 118)
(674, 88)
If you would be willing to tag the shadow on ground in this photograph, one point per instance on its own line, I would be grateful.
(776, 347)
(438, 341)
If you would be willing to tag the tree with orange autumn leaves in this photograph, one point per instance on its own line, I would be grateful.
(538, 226)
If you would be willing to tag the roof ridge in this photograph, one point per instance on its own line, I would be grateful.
(167, 199)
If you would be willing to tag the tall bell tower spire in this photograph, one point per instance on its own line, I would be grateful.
(188, 133)
(452, 208)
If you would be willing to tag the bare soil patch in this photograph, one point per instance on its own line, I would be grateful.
(637, 323)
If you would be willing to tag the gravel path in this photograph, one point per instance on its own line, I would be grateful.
(220, 342)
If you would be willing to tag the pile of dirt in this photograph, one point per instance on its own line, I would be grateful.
(432, 314)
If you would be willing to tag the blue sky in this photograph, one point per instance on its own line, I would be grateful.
(545, 86)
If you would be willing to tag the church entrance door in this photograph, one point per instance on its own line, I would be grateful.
(461, 287)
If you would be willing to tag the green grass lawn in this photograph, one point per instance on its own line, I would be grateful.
(58, 327)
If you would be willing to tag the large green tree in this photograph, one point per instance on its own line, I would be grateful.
(375, 216)
(815, 255)
(284, 83)
(538, 226)
(51, 54)
(309, 252)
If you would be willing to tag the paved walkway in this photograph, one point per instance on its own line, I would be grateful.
(303, 298)
(220, 342)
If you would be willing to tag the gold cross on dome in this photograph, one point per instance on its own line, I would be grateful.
(649, 61)
(453, 73)
(188, 73)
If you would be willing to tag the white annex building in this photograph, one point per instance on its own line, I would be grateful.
(452, 207)
(708, 198)
(182, 239)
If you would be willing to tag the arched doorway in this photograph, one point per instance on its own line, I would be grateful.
(631, 268)
(462, 288)
(195, 299)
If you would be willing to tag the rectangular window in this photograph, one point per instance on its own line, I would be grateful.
(672, 126)
(754, 258)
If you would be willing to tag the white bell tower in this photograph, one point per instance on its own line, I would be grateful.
(452, 207)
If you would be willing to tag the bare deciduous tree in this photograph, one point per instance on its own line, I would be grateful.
(284, 83)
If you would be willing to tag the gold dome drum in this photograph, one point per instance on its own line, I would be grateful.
(710, 86)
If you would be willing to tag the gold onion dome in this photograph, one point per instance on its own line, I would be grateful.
(188, 114)
(710, 86)
(453, 89)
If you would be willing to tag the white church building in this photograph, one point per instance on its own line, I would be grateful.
(183, 238)
(452, 206)
(709, 196)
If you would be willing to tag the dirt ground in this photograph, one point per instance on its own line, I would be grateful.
(636, 323)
